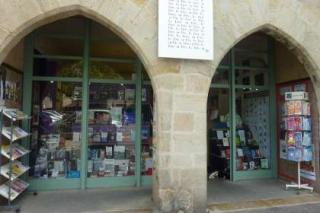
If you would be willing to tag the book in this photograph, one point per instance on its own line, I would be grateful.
(17, 187)
(225, 141)
(15, 114)
(242, 136)
(307, 153)
(220, 134)
(297, 107)
(290, 139)
(306, 139)
(18, 133)
(306, 108)
(290, 108)
(17, 170)
(17, 151)
(306, 123)
(240, 152)
(298, 138)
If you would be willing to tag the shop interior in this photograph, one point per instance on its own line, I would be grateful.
(248, 151)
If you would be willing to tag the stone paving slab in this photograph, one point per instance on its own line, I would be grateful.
(265, 204)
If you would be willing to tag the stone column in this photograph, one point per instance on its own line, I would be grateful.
(180, 180)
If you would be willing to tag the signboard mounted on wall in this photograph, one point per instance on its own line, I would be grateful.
(185, 29)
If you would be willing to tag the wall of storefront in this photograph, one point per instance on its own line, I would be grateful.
(288, 67)
(180, 86)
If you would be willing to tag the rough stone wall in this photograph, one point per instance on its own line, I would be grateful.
(180, 86)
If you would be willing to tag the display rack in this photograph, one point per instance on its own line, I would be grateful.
(219, 152)
(12, 151)
(297, 123)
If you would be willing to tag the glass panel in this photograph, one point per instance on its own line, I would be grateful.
(57, 68)
(107, 44)
(243, 77)
(111, 48)
(146, 130)
(255, 42)
(253, 146)
(111, 70)
(219, 134)
(221, 76)
(111, 150)
(260, 78)
(55, 145)
(58, 46)
(250, 59)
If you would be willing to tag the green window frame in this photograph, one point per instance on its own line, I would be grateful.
(28, 79)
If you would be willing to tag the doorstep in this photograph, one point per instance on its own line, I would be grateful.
(264, 203)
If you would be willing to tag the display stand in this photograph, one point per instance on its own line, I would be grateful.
(297, 124)
(299, 185)
(12, 170)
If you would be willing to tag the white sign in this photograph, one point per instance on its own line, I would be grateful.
(186, 29)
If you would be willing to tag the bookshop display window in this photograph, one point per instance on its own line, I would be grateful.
(92, 108)
(241, 91)
(55, 146)
(111, 138)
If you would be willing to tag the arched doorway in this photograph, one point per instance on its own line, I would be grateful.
(245, 121)
(91, 108)
(91, 102)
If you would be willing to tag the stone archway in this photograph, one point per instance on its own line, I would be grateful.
(176, 83)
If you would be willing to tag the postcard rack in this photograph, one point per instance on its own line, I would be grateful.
(11, 152)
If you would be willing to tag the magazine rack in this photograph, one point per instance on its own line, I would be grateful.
(12, 151)
(297, 124)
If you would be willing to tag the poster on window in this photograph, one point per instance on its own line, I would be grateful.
(10, 87)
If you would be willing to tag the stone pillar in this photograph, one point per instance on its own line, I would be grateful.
(180, 180)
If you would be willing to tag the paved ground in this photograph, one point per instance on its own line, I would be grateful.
(85, 201)
(310, 208)
(223, 196)
(220, 190)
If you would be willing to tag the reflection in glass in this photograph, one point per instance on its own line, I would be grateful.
(111, 70)
(55, 145)
(46, 45)
(57, 67)
(111, 139)
(253, 146)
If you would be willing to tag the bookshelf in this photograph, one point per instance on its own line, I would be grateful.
(12, 151)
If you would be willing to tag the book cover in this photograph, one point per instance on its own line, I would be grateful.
(306, 139)
(297, 107)
(306, 123)
(298, 138)
(291, 139)
(18, 133)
